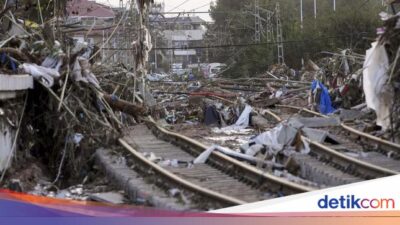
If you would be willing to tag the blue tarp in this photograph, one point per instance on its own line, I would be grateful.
(325, 105)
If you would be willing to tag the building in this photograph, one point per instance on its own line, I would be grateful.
(181, 34)
(89, 14)
(94, 23)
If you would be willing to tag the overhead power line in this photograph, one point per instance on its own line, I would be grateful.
(200, 6)
(153, 13)
(184, 2)
(245, 44)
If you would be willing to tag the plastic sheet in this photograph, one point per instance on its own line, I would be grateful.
(325, 105)
(242, 123)
(203, 157)
(277, 138)
(81, 72)
(46, 75)
(378, 95)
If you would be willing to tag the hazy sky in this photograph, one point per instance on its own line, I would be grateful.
(197, 5)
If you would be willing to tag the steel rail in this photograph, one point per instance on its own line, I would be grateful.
(341, 159)
(257, 175)
(189, 185)
(391, 145)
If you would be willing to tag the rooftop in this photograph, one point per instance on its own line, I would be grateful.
(180, 20)
(87, 8)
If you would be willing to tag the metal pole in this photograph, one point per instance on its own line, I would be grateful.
(334, 5)
(257, 22)
(301, 14)
(155, 51)
(315, 9)
(187, 53)
(279, 35)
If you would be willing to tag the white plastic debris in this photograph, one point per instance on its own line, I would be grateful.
(174, 192)
(242, 123)
(152, 157)
(280, 137)
(55, 59)
(378, 94)
(79, 46)
(81, 72)
(203, 157)
(77, 138)
(53, 63)
(277, 138)
(244, 119)
(254, 149)
(46, 75)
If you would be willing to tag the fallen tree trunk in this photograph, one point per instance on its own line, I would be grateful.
(124, 106)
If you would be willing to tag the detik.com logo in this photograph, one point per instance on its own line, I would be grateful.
(352, 202)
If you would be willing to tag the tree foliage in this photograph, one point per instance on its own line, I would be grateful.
(33, 10)
(352, 25)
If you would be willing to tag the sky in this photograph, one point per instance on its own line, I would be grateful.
(189, 5)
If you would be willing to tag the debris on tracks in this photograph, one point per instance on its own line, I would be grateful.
(382, 77)
(55, 104)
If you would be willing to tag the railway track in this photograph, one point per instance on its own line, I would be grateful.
(223, 180)
(383, 145)
(371, 165)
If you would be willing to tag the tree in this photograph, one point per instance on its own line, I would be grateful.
(347, 27)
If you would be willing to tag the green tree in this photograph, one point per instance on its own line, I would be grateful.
(352, 25)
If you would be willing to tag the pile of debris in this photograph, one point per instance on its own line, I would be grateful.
(337, 82)
(116, 80)
(67, 113)
(382, 76)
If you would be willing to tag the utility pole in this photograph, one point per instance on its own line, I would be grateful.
(301, 25)
(301, 15)
(279, 36)
(257, 27)
(155, 51)
(334, 5)
(315, 9)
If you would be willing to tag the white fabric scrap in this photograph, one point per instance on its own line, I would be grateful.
(378, 94)
(242, 123)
